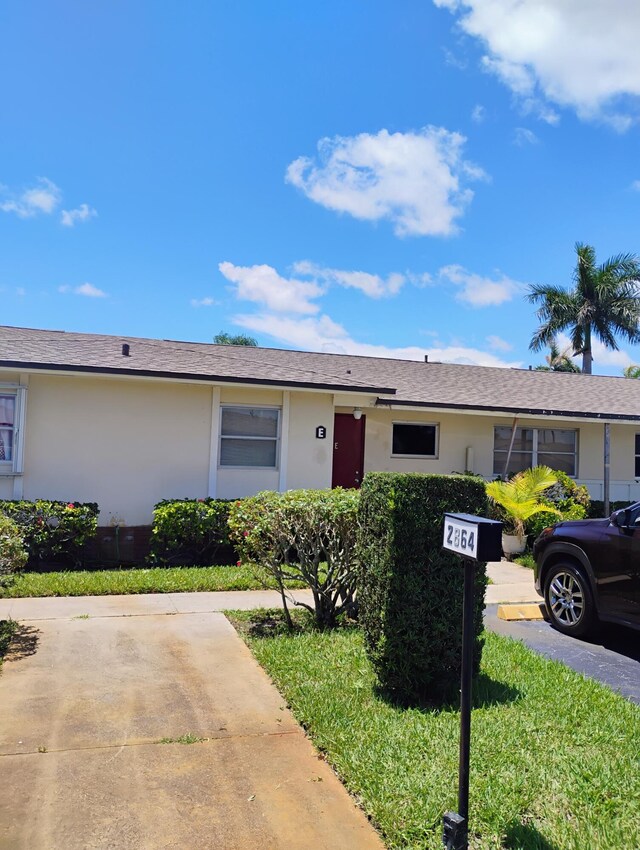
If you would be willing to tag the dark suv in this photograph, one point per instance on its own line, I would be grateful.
(589, 570)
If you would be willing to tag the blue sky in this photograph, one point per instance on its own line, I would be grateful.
(364, 177)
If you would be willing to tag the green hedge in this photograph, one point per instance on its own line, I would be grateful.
(409, 590)
(53, 532)
(13, 555)
(596, 508)
(191, 532)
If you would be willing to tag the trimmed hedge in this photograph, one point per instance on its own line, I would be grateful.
(307, 536)
(410, 591)
(596, 508)
(53, 532)
(13, 555)
(191, 532)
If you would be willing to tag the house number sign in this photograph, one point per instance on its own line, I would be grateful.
(321, 432)
(460, 537)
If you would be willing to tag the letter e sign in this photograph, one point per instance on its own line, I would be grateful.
(321, 432)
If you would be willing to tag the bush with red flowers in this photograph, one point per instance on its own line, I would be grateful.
(53, 532)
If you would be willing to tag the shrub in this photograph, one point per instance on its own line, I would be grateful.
(521, 497)
(570, 499)
(596, 508)
(190, 532)
(410, 590)
(53, 531)
(13, 555)
(303, 535)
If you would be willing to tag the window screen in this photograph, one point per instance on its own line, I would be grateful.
(416, 440)
(554, 447)
(7, 421)
(249, 436)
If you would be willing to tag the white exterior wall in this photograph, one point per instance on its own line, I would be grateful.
(122, 443)
(458, 431)
(127, 443)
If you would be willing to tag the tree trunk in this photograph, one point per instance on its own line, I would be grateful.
(587, 356)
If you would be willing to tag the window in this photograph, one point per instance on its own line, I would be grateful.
(11, 410)
(7, 426)
(637, 471)
(249, 436)
(414, 440)
(554, 447)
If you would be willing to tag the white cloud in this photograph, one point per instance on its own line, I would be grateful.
(478, 114)
(43, 198)
(479, 291)
(522, 136)
(416, 180)
(371, 284)
(323, 334)
(581, 54)
(498, 344)
(601, 356)
(263, 285)
(86, 289)
(82, 213)
(203, 302)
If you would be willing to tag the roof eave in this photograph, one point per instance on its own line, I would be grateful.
(518, 411)
(191, 376)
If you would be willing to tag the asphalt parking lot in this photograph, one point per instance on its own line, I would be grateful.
(612, 656)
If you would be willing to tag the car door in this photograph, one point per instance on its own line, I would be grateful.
(618, 568)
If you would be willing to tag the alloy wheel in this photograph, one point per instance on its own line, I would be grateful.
(566, 599)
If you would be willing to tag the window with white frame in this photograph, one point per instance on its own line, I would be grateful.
(249, 436)
(11, 407)
(414, 439)
(637, 470)
(554, 447)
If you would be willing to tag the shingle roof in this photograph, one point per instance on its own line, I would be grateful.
(397, 382)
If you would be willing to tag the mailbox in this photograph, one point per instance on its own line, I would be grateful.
(473, 537)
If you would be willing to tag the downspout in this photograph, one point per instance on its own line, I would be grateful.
(511, 442)
(607, 468)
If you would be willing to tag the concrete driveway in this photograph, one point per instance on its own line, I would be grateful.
(84, 702)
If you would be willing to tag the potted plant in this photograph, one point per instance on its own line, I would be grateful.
(520, 499)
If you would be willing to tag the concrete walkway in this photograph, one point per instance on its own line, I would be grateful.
(510, 583)
(85, 702)
(94, 683)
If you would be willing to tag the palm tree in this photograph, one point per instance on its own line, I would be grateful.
(224, 338)
(631, 371)
(558, 361)
(604, 302)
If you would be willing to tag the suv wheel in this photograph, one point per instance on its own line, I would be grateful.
(569, 600)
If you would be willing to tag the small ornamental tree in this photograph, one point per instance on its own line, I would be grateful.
(302, 535)
(410, 590)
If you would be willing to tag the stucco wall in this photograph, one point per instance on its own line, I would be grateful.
(129, 443)
(310, 459)
(124, 444)
(457, 432)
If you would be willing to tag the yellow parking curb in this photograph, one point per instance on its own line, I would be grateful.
(532, 611)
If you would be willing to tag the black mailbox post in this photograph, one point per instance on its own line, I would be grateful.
(475, 539)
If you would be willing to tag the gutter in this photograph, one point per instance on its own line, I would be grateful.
(22, 365)
(520, 411)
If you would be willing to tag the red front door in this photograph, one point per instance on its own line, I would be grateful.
(348, 450)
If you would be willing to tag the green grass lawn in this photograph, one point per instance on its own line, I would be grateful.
(109, 582)
(554, 761)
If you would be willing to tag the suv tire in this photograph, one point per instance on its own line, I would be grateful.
(569, 600)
